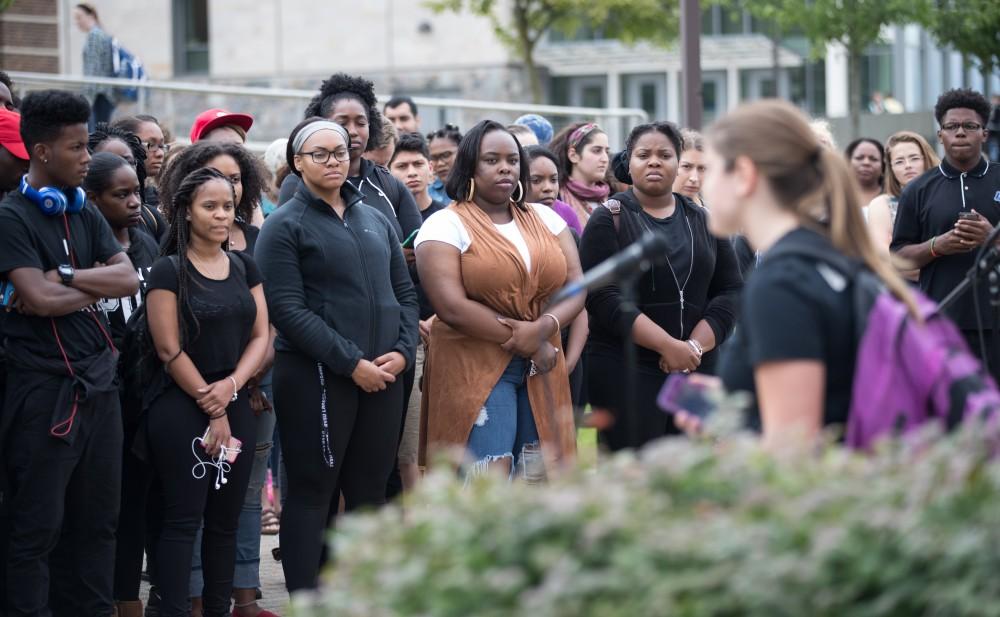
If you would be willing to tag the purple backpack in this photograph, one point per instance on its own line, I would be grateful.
(906, 373)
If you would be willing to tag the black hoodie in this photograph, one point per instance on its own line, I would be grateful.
(338, 290)
(711, 293)
(381, 190)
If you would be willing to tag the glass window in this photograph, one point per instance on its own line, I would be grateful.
(732, 20)
(592, 95)
(190, 36)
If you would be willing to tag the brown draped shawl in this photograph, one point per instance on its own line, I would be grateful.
(461, 371)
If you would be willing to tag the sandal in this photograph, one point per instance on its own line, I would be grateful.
(270, 524)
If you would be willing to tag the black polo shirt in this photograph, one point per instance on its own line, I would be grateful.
(929, 207)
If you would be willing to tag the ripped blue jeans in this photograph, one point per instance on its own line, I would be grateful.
(505, 424)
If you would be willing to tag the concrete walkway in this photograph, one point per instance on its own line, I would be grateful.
(272, 579)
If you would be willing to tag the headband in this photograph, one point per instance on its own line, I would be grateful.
(314, 127)
(581, 133)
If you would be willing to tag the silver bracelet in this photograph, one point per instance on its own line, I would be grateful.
(696, 347)
(236, 389)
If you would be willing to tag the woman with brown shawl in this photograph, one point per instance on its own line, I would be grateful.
(495, 380)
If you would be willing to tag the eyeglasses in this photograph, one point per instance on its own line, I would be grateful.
(442, 157)
(150, 146)
(969, 127)
(322, 156)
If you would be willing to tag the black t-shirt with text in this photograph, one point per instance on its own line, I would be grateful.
(143, 252)
(224, 310)
(31, 239)
(795, 308)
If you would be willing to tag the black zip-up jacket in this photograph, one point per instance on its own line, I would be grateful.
(712, 292)
(382, 191)
(338, 290)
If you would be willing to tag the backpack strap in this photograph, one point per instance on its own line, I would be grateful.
(835, 260)
(615, 208)
(864, 285)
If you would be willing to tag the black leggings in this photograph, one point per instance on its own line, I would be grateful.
(174, 421)
(363, 434)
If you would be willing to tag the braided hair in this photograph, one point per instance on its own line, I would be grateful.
(197, 156)
(105, 132)
(176, 241)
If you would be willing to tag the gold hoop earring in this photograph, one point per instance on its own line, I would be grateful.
(472, 189)
(520, 194)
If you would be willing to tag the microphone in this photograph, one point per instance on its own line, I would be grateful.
(635, 258)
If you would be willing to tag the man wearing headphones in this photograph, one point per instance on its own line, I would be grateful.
(60, 430)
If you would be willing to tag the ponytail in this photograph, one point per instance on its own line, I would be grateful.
(808, 179)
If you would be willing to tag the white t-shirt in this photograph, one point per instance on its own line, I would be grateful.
(445, 226)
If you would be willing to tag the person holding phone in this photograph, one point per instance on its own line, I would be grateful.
(945, 216)
(208, 321)
(343, 303)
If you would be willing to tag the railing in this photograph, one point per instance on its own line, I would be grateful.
(176, 103)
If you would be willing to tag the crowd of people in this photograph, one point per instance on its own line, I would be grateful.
(182, 321)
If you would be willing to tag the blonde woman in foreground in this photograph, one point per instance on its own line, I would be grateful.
(769, 177)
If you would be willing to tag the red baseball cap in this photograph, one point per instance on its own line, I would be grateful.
(10, 133)
(214, 118)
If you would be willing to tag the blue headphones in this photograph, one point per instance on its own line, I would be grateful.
(52, 201)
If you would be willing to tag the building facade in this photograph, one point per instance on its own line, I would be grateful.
(406, 48)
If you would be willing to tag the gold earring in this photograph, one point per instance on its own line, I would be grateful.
(472, 189)
(520, 193)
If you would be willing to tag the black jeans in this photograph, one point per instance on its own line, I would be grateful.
(64, 509)
(131, 537)
(101, 110)
(363, 435)
(174, 421)
(394, 488)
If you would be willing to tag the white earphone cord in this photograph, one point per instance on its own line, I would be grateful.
(221, 463)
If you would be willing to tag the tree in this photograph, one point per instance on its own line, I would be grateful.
(971, 27)
(521, 24)
(855, 24)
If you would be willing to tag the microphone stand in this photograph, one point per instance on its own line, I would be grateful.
(630, 415)
(987, 266)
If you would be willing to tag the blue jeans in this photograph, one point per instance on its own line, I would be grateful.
(247, 573)
(505, 424)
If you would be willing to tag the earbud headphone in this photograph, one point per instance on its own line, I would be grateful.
(52, 201)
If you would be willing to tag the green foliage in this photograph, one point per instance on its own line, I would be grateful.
(854, 23)
(690, 530)
(521, 24)
(5, 4)
(972, 27)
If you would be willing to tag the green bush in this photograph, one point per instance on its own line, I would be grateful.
(689, 530)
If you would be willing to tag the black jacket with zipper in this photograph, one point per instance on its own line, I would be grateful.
(712, 292)
(338, 290)
(382, 191)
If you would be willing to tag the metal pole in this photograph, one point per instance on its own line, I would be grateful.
(691, 62)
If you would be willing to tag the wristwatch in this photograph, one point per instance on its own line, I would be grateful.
(66, 273)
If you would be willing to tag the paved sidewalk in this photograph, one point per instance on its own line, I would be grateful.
(272, 579)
